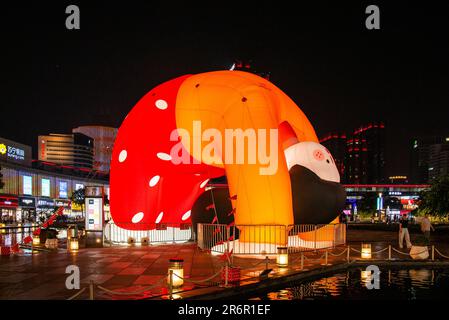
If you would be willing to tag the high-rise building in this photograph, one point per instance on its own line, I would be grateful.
(438, 160)
(360, 157)
(420, 156)
(366, 155)
(76, 149)
(104, 138)
(335, 142)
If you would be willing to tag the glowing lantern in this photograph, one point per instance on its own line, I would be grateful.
(177, 267)
(282, 257)
(36, 240)
(366, 251)
(74, 245)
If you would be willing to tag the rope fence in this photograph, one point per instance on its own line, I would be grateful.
(169, 277)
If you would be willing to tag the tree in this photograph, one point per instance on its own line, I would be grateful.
(368, 203)
(78, 197)
(435, 200)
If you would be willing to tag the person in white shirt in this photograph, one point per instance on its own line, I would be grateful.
(426, 226)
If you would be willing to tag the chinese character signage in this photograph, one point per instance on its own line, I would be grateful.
(11, 151)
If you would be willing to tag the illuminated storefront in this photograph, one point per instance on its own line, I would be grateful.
(26, 212)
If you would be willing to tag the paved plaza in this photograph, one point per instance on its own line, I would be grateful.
(127, 269)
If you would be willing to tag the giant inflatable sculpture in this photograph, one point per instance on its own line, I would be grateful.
(177, 138)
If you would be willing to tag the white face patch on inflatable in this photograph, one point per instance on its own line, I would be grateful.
(314, 157)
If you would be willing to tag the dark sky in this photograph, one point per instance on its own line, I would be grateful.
(323, 57)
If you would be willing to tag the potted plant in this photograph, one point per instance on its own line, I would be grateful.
(52, 241)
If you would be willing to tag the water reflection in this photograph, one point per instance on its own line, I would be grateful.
(394, 284)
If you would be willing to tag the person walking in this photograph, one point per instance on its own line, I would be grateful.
(426, 226)
(403, 232)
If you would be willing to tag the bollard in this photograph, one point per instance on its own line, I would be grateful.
(91, 290)
(170, 286)
(266, 262)
(325, 258)
(226, 274)
(389, 252)
(433, 252)
(348, 253)
(302, 260)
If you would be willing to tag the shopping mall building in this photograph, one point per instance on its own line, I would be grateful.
(33, 187)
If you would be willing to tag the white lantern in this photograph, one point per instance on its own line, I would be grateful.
(177, 266)
(366, 251)
(282, 257)
(74, 245)
(36, 240)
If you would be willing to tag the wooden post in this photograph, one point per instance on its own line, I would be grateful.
(91, 290)
(170, 285)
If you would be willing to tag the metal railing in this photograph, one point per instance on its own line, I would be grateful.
(148, 233)
(264, 239)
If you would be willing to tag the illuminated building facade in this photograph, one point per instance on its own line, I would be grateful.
(76, 149)
(439, 160)
(31, 190)
(360, 156)
(104, 138)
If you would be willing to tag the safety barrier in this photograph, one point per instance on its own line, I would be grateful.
(148, 233)
(265, 239)
(301, 258)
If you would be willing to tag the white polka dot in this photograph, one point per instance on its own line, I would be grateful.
(161, 104)
(122, 156)
(154, 181)
(203, 184)
(137, 217)
(159, 217)
(186, 215)
(164, 156)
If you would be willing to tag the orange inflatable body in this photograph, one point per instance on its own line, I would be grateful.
(239, 100)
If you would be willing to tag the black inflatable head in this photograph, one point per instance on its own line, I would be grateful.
(315, 201)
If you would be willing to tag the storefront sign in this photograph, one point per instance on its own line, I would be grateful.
(11, 151)
(63, 203)
(8, 202)
(45, 202)
(76, 207)
(27, 202)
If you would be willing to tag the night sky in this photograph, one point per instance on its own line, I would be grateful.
(341, 74)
